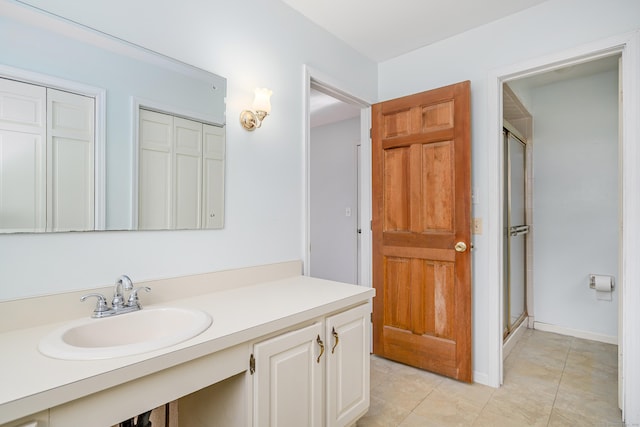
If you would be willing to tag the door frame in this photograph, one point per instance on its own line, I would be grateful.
(628, 46)
(346, 94)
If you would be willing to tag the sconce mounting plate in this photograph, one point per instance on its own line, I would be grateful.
(249, 120)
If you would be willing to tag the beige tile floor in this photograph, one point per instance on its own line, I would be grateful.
(549, 380)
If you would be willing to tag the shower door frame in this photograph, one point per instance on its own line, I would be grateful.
(508, 130)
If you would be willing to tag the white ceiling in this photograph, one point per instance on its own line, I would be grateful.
(326, 109)
(384, 29)
(577, 71)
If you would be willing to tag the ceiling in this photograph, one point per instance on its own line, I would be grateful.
(585, 69)
(384, 29)
(326, 109)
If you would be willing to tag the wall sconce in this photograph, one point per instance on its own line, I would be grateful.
(252, 119)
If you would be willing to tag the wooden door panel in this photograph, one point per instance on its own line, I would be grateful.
(439, 355)
(397, 312)
(438, 186)
(421, 209)
(438, 116)
(397, 123)
(427, 305)
(396, 189)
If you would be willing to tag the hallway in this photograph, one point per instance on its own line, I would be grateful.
(549, 380)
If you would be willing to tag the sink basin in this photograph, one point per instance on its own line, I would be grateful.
(124, 334)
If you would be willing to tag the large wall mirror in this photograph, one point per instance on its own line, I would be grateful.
(100, 134)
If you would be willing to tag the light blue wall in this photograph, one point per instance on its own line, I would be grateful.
(333, 190)
(550, 27)
(575, 201)
(149, 77)
(253, 43)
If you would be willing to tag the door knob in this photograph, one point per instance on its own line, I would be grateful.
(461, 247)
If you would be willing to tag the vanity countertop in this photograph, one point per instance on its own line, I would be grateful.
(32, 382)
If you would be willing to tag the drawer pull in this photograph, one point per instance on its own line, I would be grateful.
(321, 344)
(335, 336)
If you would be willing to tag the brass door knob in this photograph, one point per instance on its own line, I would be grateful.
(461, 247)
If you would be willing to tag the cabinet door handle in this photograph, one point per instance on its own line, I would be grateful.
(321, 344)
(335, 336)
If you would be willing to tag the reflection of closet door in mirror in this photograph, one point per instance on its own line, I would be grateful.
(188, 173)
(70, 161)
(213, 177)
(22, 157)
(181, 173)
(155, 208)
(47, 143)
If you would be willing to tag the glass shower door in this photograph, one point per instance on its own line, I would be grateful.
(516, 233)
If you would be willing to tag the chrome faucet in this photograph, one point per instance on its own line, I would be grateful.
(118, 304)
(123, 283)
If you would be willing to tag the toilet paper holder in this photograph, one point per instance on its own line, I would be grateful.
(592, 281)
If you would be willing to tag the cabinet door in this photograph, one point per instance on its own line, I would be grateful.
(347, 393)
(287, 382)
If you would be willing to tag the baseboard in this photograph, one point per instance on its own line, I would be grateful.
(513, 338)
(547, 327)
(480, 378)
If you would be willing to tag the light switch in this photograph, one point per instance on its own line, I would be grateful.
(476, 226)
(347, 212)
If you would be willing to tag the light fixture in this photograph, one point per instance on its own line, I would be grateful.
(252, 119)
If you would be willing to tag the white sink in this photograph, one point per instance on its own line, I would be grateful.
(124, 334)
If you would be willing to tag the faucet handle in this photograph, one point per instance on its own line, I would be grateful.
(133, 296)
(101, 305)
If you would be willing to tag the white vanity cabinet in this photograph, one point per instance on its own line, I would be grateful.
(310, 358)
(40, 419)
(317, 375)
(287, 378)
(347, 365)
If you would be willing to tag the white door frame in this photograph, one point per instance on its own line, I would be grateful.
(628, 45)
(343, 93)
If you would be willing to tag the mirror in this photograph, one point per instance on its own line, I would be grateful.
(100, 134)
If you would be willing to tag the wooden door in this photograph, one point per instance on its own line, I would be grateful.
(422, 230)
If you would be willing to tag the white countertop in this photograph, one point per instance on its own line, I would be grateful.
(31, 382)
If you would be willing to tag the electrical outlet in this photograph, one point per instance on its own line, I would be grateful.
(476, 226)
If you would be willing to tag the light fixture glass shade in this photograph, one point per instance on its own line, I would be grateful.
(262, 100)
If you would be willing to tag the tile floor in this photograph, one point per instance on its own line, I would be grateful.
(549, 380)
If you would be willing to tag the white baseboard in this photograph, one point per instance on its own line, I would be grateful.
(480, 378)
(513, 338)
(540, 326)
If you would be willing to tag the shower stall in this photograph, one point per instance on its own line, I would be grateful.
(516, 232)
